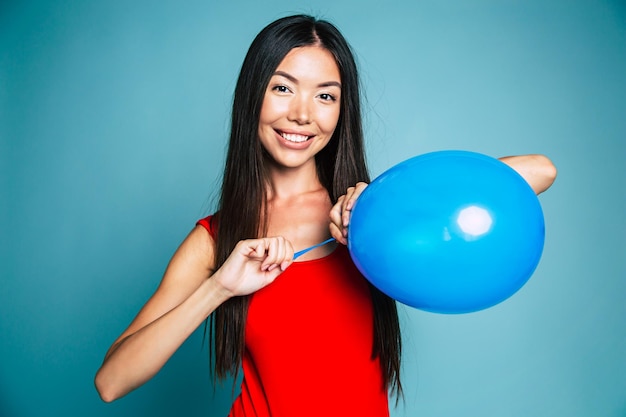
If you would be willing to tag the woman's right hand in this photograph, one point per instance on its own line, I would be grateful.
(253, 264)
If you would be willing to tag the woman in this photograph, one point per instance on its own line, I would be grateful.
(319, 340)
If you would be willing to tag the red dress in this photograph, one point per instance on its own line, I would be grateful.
(308, 344)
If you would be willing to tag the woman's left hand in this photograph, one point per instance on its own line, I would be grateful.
(340, 213)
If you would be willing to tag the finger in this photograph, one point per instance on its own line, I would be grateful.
(349, 198)
(346, 207)
(270, 276)
(358, 190)
(355, 193)
(337, 233)
(270, 253)
(288, 260)
(279, 252)
(336, 228)
(253, 248)
(335, 212)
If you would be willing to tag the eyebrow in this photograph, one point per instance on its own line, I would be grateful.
(295, 80)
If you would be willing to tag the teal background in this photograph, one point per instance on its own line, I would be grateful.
(113, 120)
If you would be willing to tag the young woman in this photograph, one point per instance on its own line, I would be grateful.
(312, 336)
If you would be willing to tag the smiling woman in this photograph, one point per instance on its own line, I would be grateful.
(320, 340)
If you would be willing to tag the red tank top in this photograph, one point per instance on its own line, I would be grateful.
(308, 344)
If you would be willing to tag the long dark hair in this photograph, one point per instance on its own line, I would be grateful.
(241, 213)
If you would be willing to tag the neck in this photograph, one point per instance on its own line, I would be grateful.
(285, 183)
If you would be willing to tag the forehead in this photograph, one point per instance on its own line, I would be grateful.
(311, 62)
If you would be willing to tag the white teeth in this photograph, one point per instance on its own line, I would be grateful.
(292, 137)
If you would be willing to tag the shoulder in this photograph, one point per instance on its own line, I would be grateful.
(196, 253)
(193, 262)
(200, 243)
(209, 223)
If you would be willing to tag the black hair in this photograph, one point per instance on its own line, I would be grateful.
(241, 212)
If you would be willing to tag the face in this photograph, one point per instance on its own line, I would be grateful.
(301, 107)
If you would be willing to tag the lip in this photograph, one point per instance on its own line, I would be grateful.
(294, 145)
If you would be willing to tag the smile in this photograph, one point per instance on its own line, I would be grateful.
(293, 137)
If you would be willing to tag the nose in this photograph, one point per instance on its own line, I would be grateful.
(300, 110)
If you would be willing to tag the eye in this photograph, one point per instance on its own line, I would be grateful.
(280, 88)
(327, 97)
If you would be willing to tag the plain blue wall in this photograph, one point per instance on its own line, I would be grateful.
(113, 119)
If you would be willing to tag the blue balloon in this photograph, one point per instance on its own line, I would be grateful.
(447, 232)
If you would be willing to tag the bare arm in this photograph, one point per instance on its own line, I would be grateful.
(537, 170)
(189, 292)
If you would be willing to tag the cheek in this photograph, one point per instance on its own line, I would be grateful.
(266, 111)
(272, 109)
(328, 121)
